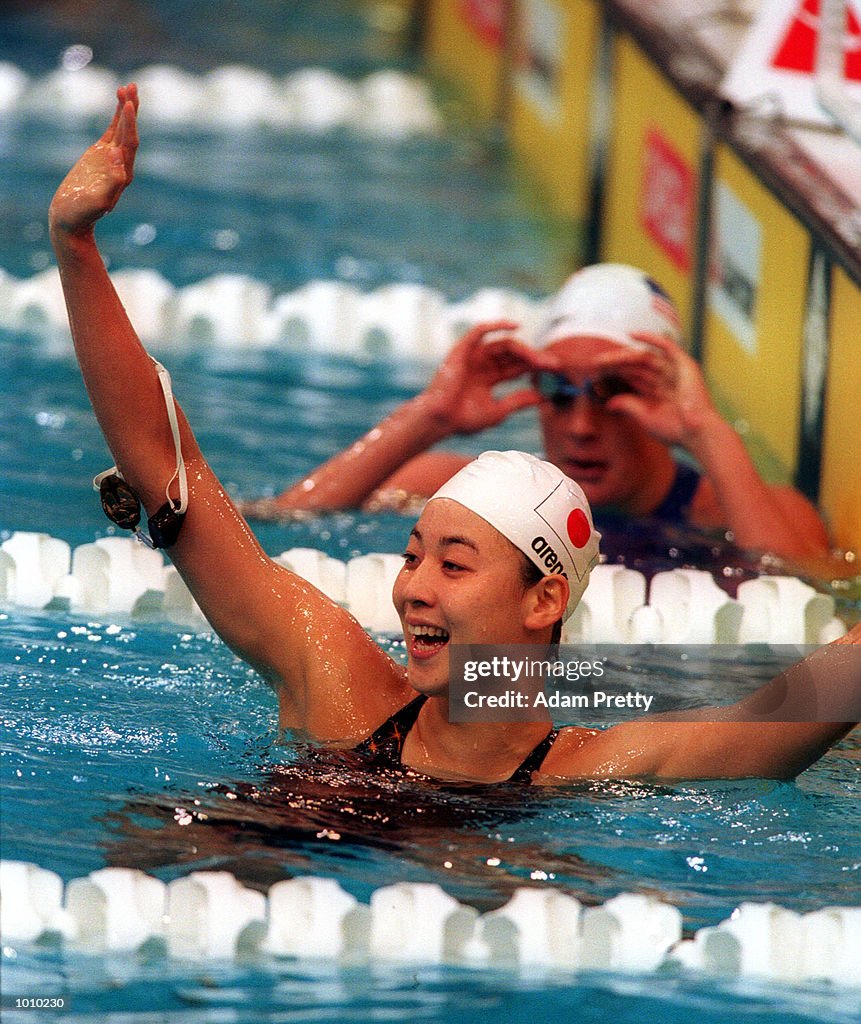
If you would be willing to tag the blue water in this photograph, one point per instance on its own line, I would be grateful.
(116, 731)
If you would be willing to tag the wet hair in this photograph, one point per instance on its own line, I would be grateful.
(530, 574)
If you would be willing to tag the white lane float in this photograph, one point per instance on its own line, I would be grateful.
(683, 606)
(402, 319)
(209, 915)
(386, 104)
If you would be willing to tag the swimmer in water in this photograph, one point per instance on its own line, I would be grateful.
(615, 392)
(472, 570)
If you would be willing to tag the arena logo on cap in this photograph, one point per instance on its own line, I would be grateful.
(552, 562)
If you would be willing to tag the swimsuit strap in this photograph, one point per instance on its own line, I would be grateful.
(534, 759)
(674, 508)
(386, 743)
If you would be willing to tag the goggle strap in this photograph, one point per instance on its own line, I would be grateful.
(97, 480)
(179, 472)
(170, 405)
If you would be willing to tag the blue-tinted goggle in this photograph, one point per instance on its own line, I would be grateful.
(561, 390)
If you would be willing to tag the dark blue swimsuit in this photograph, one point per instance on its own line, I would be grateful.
(384, 748)
(675, 507)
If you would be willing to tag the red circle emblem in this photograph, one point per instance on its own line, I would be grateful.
(579, 529)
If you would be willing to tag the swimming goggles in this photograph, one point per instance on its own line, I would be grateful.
(122, 506)
(561, 390)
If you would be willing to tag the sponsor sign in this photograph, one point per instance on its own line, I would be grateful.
(734, 275)
(540, 57)
(667, 199)
(777, 59)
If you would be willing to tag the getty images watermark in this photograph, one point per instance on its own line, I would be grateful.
(614, 683)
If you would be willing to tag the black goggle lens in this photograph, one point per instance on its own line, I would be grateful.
(119, 502)
(122, 506)
(164, 526)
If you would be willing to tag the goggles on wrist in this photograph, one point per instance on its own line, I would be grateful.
(122, 506)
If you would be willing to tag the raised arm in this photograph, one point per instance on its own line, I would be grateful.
(741, 740)
(672, 402)
(269, 616)
(394, 455)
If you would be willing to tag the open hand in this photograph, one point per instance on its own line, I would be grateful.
(668, 396)
(461, 394)
(94, 185)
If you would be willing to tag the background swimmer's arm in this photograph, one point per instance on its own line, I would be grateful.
(672, 402)
(729, 742)
(332, 679)
(459, 400)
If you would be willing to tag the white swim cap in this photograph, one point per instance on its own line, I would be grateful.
(539, 509)
(612, 301)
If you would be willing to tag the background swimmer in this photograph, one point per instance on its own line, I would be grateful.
(470, 574)
(615, 392)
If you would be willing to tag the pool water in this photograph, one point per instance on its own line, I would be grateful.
(138, 743)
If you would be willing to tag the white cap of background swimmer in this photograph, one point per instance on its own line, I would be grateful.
(612, 301)
(539, 509)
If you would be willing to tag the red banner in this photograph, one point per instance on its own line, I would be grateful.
(667, 198)
(487, 19)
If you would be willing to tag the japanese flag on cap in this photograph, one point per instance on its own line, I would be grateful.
(537, 507)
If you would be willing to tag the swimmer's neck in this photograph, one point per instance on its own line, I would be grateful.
(468, 751)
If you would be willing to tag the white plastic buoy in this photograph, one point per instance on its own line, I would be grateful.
(536, 928)
(402, 319)
(40, 561)
(831, 631)
(325, 573)
(646, 625)
(419, 923)
(320, 315)
(37, 306)
(315, 917)
(489, 304)
(226, 309)
(713, 950)
(13, 84)
(208, 911)
(606, 610)
(694, 609)
(31, 901)
(235, 96)
(629, 932)
(770, 938)
(8, 579)
(396, 105)
(320, 99)
(173, 97)
(370, 579)
(8, 287)
(116, 908)
(783, 610)
(114, 574)
(831, 945)
(83, 94)
(178, 603)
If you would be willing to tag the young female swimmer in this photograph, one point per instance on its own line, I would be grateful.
(472, 571)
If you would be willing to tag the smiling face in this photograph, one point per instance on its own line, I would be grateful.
(461, 582)
(616, 462)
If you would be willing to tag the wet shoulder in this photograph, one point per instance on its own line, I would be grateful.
(567, 750)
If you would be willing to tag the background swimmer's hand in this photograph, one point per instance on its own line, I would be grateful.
(669, 397)
(94, 185)
(461, 395)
